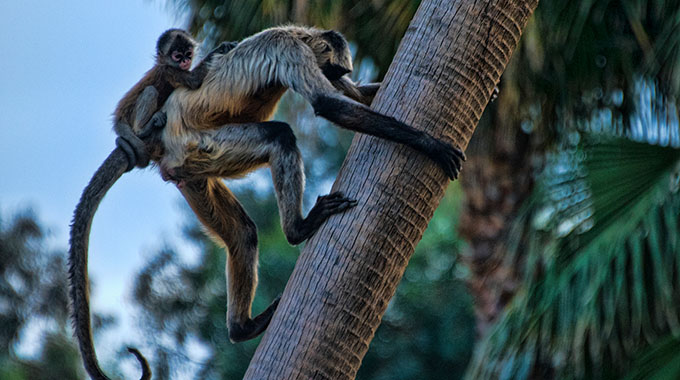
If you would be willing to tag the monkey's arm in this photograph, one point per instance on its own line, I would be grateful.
(305, 77)
(194, 78)
(357, 117)
(363, 94)
(127, 140)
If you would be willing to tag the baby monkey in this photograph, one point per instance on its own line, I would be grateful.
(133, 122)
(174, 54)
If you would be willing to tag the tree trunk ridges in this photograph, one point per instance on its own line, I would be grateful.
(442, 77)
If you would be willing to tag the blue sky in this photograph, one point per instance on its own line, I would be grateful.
(65, 66)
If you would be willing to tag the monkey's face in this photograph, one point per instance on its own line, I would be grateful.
(175, 48)
(333, 55)
(182, 59)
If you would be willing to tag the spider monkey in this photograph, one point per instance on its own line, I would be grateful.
(221, 131)
(133, 121)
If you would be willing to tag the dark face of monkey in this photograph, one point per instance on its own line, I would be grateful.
(334, 57)
(175, 48)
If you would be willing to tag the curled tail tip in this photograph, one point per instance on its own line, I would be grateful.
(146, 371)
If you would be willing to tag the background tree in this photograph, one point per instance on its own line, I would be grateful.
(32, 294)
(576, 59)
(588, 69)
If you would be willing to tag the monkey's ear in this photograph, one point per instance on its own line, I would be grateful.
(336, 39)
(332, 34)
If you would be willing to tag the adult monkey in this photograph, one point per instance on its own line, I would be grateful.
(220, 131)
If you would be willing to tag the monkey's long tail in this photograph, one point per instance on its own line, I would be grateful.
(108, 173)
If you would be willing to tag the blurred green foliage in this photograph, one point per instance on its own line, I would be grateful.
(428, 328)
(33, 297)
(595, 84)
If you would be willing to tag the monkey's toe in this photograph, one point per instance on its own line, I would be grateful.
(328, 205)
(325, 206)
(251, 328)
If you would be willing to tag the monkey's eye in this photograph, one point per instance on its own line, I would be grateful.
(176, 56)
(327, 49)
(189, 54)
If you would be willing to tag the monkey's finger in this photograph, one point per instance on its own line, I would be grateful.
(333, 195)
(445, 165)
(460, 154)
(157, 122)
(145, 132)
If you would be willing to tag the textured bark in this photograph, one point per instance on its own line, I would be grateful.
(442, 77)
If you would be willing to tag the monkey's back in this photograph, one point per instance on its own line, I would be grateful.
(244, 85)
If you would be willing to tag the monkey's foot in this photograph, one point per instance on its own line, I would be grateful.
(156, 123)
(325, 206)
(251, 328)
(495, 93)
(225, 47)
(449, 158)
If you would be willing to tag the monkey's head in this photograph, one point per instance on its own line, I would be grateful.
(175, 48)
(332, 54)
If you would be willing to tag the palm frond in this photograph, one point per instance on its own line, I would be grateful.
(602, 260)
(659, 362)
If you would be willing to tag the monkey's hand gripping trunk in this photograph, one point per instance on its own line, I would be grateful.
(108, 173)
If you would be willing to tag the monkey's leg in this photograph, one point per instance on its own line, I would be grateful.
(227, 221)
(288, 175)
(127, 140)
(236, 149)
(145, 107)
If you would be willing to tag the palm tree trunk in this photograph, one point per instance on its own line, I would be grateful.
(440, 81)
(497, 180)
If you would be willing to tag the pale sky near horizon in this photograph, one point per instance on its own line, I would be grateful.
(64, 68)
